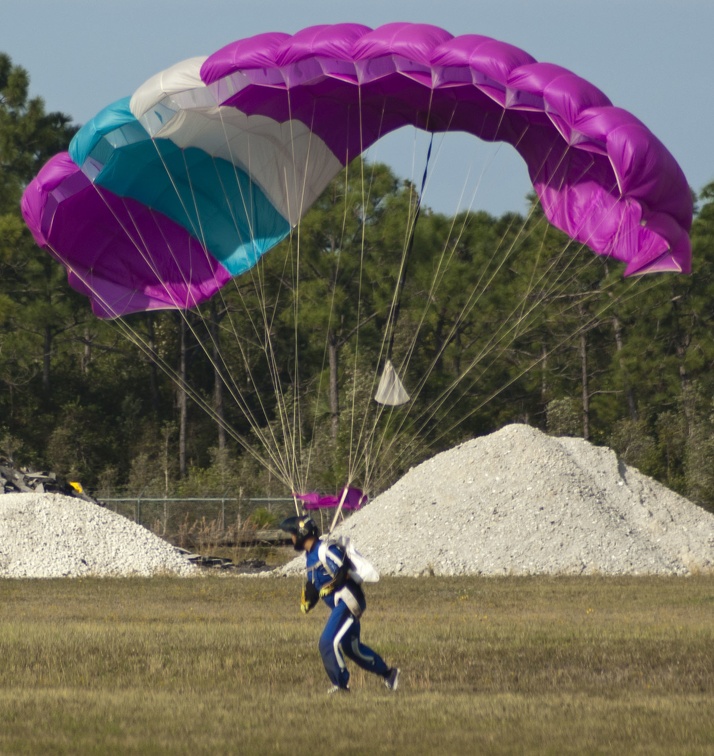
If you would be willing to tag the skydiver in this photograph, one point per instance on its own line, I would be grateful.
(345, 598)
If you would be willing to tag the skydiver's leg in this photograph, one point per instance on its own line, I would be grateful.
(360, 654)
(338, 624)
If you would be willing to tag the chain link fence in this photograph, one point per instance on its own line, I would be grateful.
(226, 519)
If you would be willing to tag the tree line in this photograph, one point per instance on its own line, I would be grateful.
(499, 320)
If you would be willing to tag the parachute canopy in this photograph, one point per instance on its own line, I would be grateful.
(351, 499)
(164, 196)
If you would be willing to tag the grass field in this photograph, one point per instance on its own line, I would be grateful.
(225, 665)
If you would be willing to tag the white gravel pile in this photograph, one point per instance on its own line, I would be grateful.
(51, 535)
(519, 502)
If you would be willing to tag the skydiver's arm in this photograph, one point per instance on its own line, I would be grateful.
(340, 567)
(309, 597)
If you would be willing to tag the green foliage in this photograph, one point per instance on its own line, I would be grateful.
(697, 407)
(263, 518)
(78, 443)
(563, 418)
(635, 444)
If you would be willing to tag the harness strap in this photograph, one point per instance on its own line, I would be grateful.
(325, 558)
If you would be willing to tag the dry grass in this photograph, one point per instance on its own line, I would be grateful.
(228, 665)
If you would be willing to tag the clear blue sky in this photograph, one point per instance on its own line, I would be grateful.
(653, 57)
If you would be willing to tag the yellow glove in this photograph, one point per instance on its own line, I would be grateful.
(327, 589)
(309, 597)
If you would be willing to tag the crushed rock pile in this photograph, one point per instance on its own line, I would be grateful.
(48, 535)
(520, 502)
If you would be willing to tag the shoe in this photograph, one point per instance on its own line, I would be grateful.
(337, 689)
(392, 679)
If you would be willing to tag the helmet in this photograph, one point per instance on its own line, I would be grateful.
(302, 527)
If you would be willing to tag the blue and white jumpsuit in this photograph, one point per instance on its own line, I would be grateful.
(341, 636)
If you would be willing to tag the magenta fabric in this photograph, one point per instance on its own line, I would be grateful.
(601, 175)
(100, 234)
(355, 499)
